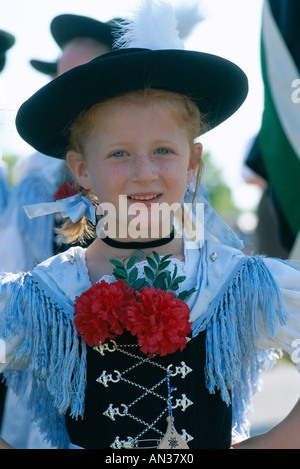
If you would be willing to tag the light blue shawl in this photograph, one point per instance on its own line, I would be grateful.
(236, 299)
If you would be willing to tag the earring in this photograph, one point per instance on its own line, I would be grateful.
(189, 187)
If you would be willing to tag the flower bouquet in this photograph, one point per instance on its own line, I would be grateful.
(146, 307)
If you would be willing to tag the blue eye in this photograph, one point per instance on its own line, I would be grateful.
(119, 154)
(162, 151)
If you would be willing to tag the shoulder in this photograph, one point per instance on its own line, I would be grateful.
(221, 260)
(65, 274)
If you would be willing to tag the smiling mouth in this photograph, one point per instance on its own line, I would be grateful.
(143, 197)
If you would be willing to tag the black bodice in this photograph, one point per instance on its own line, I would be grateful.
(130, 401)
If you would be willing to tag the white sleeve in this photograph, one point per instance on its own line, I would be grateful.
(287, 336)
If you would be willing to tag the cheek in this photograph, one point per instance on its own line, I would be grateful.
(107, 182)
(176, 172)
(176, 180)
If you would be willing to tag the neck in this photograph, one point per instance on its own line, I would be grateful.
(99, 254)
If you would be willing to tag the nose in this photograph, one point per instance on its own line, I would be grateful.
(144, 169)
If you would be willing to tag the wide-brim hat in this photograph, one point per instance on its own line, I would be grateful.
(216, 85)
(49, 68)
(66, 27)
(7, 40)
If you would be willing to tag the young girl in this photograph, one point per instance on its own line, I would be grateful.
(147, 338)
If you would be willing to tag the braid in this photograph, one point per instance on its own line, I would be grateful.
(83, 229)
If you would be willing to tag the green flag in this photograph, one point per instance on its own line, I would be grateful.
(278, 143)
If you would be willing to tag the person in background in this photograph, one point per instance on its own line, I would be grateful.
(7, 40)
(72, 33)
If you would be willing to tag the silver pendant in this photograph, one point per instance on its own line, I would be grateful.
(172, 440)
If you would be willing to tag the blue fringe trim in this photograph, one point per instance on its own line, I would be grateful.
(56, 376)
(249, 303)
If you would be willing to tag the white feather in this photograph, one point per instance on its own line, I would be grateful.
(153, 26)
(188, 17)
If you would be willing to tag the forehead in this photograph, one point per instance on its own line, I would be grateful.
(121, 114)
(134, 125)
(150, 100)
(134, 110)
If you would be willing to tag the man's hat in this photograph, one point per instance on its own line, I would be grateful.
(49, 68)
(7, 40)
(217, 86)
(66, 27)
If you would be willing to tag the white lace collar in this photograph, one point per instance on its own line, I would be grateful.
(186, 268)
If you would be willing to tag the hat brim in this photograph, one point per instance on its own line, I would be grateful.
(66, 27)
(49, 68)
(2, 61)
(217, 86)
(7, 40)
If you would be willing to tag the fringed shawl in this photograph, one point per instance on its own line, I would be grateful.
(234, 310)
(248, 304)
(56, 360)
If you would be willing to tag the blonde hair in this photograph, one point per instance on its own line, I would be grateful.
(184, 110)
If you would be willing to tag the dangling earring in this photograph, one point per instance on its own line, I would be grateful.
(189, 187)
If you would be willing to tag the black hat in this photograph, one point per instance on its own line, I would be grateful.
(7, 40)
(66, 27)
(217, 86)
(49, 68)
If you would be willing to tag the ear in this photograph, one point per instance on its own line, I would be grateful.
(194, 161)
(78, 169)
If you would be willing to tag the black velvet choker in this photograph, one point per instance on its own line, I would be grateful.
(139, 245)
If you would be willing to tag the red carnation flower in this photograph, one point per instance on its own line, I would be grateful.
(160, 321)
(100, 311)
(66, 189)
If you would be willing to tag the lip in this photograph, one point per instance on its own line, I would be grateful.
(145, 198)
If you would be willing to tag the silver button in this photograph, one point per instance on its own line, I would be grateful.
(213, 256)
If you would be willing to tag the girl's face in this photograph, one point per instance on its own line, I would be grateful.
(138, 152)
